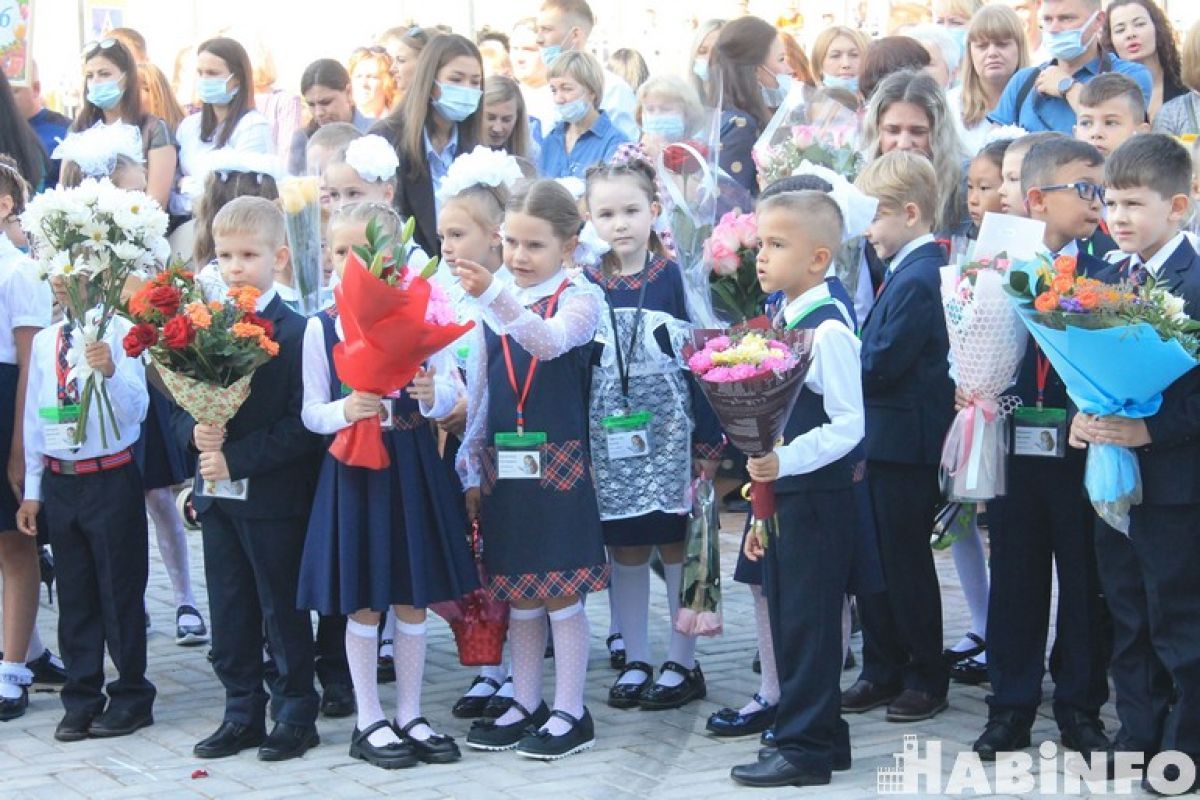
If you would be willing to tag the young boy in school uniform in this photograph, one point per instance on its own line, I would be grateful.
(96, 516)
(1044, 519)
(1148, 577)
(264, 467)
(806, 568)
(909, 405)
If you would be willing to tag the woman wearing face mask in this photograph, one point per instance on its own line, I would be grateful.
(439, 118)
(700, 57)
(584, 134)
(227, 118)
(112, 94)
(996, 50)
(668, 110)
(1138, 30)
(954, 17)
(325, 87)
(750, 79)
(837, 57)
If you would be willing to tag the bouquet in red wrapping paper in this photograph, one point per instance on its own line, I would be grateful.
(752, 376)
(392, 322)
(478, 621)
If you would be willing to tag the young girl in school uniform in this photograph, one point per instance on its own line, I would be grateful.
(24, 310)
(526, 468)
(643, 496)
(378, 539)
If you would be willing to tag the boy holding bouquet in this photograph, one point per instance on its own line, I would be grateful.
(1148, 577)
(253, 491)
(806, 568)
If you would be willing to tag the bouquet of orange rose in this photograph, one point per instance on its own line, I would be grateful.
(205, 353)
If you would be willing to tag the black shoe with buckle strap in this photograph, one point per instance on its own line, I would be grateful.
(658, 697)
(471, 706)
(545, 746)
(499, 703)
(625, 695)
(616, 655)
(485, 734)
(732, 722)
(954, 656)
(393, 755)
(189, 634)
(437, 749)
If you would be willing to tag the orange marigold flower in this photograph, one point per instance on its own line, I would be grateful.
(1064, 265)
(244, 330)
(268, 346)
(1062, 284)
(199, 314)
(1046, 301)
(1088, 298)
(246, 297)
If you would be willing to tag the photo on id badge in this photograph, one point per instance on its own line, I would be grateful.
(519, 455)
(1040, 432)
(225, 490)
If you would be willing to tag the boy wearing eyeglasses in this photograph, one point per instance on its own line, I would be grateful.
(1044, 520)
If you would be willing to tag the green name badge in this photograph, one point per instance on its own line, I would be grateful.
(1040, 432)
(628, 435)
(519, 455)
(59, 414)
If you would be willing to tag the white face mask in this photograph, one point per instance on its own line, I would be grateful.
(774, 97)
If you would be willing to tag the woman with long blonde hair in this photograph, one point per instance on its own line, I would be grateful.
(996, 50)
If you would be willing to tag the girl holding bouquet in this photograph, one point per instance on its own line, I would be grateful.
(380, 539)
(643, 497)
(528, 379)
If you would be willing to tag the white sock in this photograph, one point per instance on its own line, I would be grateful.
(629, 596)
(971, 564)
(360, 655)
(527, 645)
(13, 675)
(172, 546)
(36, 648)
(410, 674)
(768, 687)
(481, 689)
(847, 624)
(682, 648)
(570, 628)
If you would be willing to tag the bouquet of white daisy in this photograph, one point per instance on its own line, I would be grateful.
(88, 241)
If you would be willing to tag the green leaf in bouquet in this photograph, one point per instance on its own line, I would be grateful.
(406, 233)
(1018, 284)
(431, 268)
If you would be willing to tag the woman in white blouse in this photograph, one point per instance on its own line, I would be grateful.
(996, 49)
(227, 118)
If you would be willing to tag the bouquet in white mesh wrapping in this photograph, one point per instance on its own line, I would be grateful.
(987, 343)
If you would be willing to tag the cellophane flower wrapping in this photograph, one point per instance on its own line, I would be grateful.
(390, 330)
(299, 198)
(700, 597)
(732, 253)
(478, 621)
(987, 344)
(809, 126)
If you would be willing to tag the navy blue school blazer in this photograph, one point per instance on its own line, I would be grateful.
(266, 441)
(907, 391)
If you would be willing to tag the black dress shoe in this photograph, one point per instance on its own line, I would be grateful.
(437, 749)
(393, 755)
(338, 701)
(768, 737)
(1006, 732)
(915, 706)
(45, 671)
(229, 739)
(970, 671)
(658, 697)
(188, 635)
(731, 722)
(288, 741)
(616, 656)
(841, 763)
(954, 656)
(775, 770)
(1083, 733)
(626, 695)
(485, 734)
(13, 707)
(864, 696)
(74, 726)
(471, 706)
(545, 746)
(497, 705)
(113, 723)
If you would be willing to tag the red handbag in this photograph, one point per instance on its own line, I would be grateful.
(478, 620)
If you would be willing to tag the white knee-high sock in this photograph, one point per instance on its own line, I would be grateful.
(360, 655)
(410, 643)
(172, 546)
(527, 646)
(682, 648)
(629, 595)
(36, 646)
(971, 564)
(768, 687)
(570, 628)
(388, 634)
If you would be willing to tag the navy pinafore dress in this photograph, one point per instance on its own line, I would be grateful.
(394, 536)
(542, 536)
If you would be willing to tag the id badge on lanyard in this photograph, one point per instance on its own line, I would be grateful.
(627, 433)
(61, 420)
(1040, 432)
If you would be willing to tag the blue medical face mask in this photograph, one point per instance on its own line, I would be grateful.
(774, 97)
(847, 82)
(1068, 45)
(959, 35)
(455, 102)
(215, 91)
(574, 110)
(668, 126)
(700, 69)
(550, 53)
(105, 95)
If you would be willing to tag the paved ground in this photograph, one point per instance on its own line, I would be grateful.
(638, 754)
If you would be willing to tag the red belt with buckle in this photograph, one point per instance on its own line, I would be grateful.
(88, 466)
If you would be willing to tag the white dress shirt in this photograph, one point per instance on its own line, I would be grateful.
(836, 374)
(25, 301)
(126, 391)
(907, 250)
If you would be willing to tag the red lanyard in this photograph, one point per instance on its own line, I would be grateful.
(66, 394)
(1043, 370)
(523, 394)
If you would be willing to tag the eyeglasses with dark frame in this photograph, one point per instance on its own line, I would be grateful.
(1086, 190)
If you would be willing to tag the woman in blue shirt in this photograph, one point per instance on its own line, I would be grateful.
(584, 135)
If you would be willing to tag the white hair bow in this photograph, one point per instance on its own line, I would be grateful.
(857, 208)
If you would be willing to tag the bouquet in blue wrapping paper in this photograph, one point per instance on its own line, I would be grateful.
(1117, 348)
